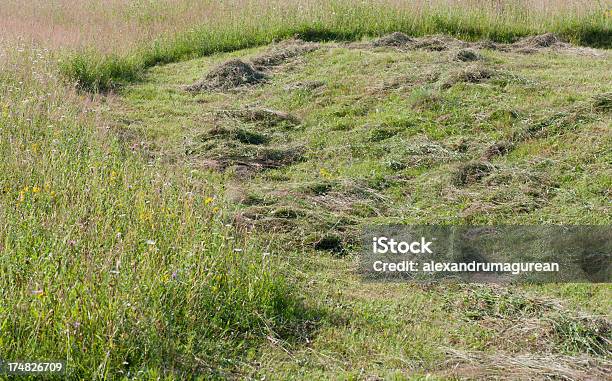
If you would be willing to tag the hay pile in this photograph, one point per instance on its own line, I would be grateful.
(533, 44)
(395, 39)
(467, 55)
(470, 74)
(546, 40)
(229, 75)
(236, 74)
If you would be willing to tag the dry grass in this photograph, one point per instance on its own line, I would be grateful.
(109, 26)
(119, 25)
(502, 366)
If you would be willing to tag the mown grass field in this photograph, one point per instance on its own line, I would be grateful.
(150, 232)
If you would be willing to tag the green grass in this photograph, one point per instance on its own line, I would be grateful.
(122, 253)
(116, 264)
(399, 136)
(335, 21)
(382, 141)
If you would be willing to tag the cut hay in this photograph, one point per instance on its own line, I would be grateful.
(258, 159)
(533, 44)
(304, 85)
(438, 43)
(395, 40)
(229, 75)
(471, 172)
(470, 74)
(513, 366)
(283, 52)
(266, 116)
(546, 40)
(500, 148)
(603, 102)
(467, 55)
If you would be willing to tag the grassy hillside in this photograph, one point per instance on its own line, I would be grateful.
(180, 226)
(381, 135)
(336, 137)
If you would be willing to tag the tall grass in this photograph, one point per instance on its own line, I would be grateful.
(117, 26)
(116, 42)
(109, 262)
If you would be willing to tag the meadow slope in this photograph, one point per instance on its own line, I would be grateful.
(317, 141)
(188, 222)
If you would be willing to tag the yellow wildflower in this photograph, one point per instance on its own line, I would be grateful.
(325, 173)
(35, 189)
(145, 215)
(208, 200)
